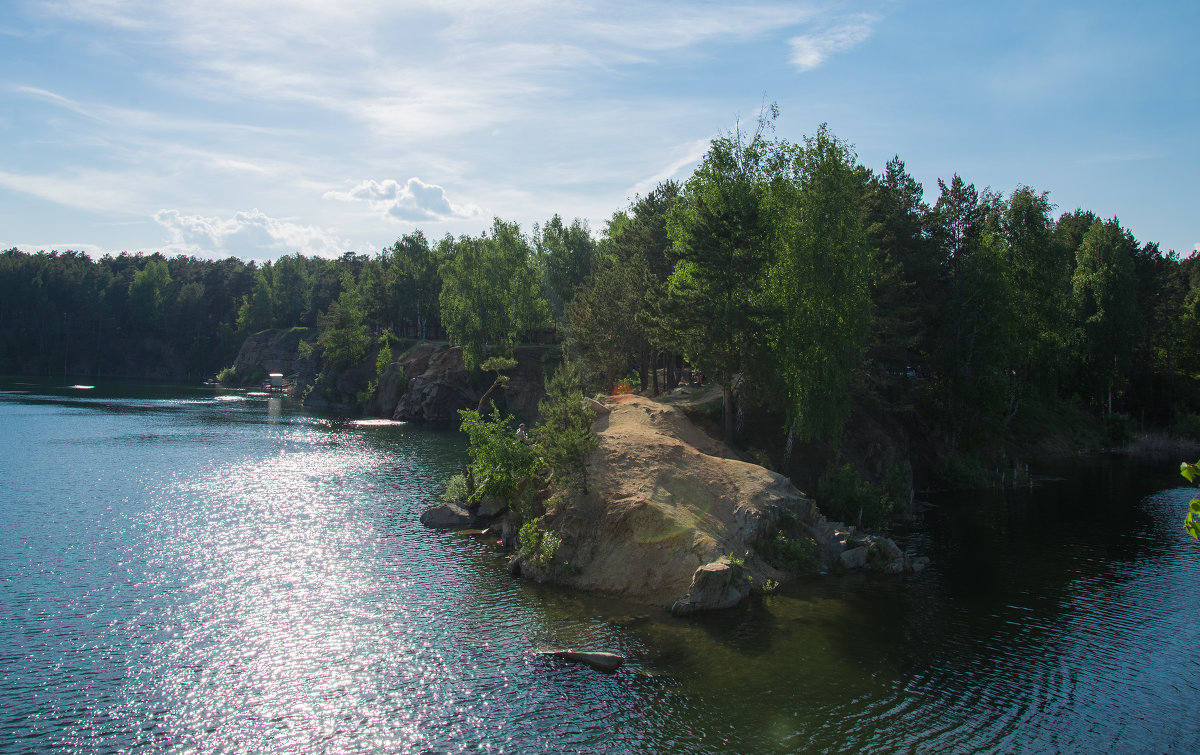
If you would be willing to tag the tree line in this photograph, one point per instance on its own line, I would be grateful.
(805, 285)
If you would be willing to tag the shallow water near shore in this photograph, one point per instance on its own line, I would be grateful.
(193, 569)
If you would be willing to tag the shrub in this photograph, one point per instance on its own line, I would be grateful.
(457, 490)
(846, 496)
(228, 376)
(540, 546)
(789, 554)
(502, 463)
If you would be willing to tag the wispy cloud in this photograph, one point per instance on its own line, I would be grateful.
(691, 154)
(82, 189)
(411, 201)
(811, 50)
(249, 234)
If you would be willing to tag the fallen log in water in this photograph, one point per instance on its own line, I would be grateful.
(600, 661)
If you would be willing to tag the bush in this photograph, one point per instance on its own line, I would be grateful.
(502, 463)
(845, 496)
(540, 546)
(228, 376)
(789, 554)
(457, 490)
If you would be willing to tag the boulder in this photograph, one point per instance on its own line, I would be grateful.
(458, 516)
(716, 585)
(447, 516)
(889, 550)
(855, 558)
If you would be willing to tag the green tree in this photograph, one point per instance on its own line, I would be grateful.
(564, 436)
(342, 332)
(415, 285)
(819, 281)
(715, 293)
(255, 314)
(490, 292)
(1104, 288)
(148, 295)
(289, 291)
(562, 255)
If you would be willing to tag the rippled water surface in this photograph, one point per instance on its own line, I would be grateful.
(186, 570)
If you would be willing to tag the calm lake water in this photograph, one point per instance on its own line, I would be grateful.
(193, 570)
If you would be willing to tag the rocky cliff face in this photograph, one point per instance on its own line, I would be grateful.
(438, 384)
(276, 351)
(429, 383)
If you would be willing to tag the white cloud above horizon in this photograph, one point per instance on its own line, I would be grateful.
(409, 202)
(249, 234)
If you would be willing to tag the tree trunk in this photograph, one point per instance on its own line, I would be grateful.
(727, 406)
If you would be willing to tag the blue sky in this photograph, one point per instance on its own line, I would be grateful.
(256, 128)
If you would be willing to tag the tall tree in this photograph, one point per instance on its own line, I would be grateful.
(563, 257)
(715, 293)
(1105, 296)
(490, 292)
(819, 281)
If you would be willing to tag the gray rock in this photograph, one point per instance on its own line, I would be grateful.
(716, 585)
(894, 567)
(889, 549)
(447, 516)
(918, 564)
(855, 558)
(490, 508)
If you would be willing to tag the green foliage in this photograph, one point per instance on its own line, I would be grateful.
(384, 357)
(539, 546)
(490, 291)
(343, 333)
(564, 437)
(502, 464)
(789, 554)
(148, 295)
(844, 495)
(1191, 522)
(228, 376)
(818, 280)
(457, 490)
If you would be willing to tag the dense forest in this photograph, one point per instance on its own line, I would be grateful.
(810, 288)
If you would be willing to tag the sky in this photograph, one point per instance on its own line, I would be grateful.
(257, 128)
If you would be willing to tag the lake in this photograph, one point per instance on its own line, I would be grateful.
(191, 569)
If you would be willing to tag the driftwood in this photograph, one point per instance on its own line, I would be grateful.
(600, 661)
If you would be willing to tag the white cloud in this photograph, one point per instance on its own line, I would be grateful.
(408, 202)
(692, 153)
(249, 235)
(811, 50)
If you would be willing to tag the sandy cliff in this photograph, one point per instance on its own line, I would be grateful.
(665, 500)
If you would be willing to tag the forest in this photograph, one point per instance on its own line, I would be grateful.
(819, 294)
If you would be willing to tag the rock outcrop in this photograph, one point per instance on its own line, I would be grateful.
(275, 351)
(676, 519)
(438, 384)
(666, 502)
